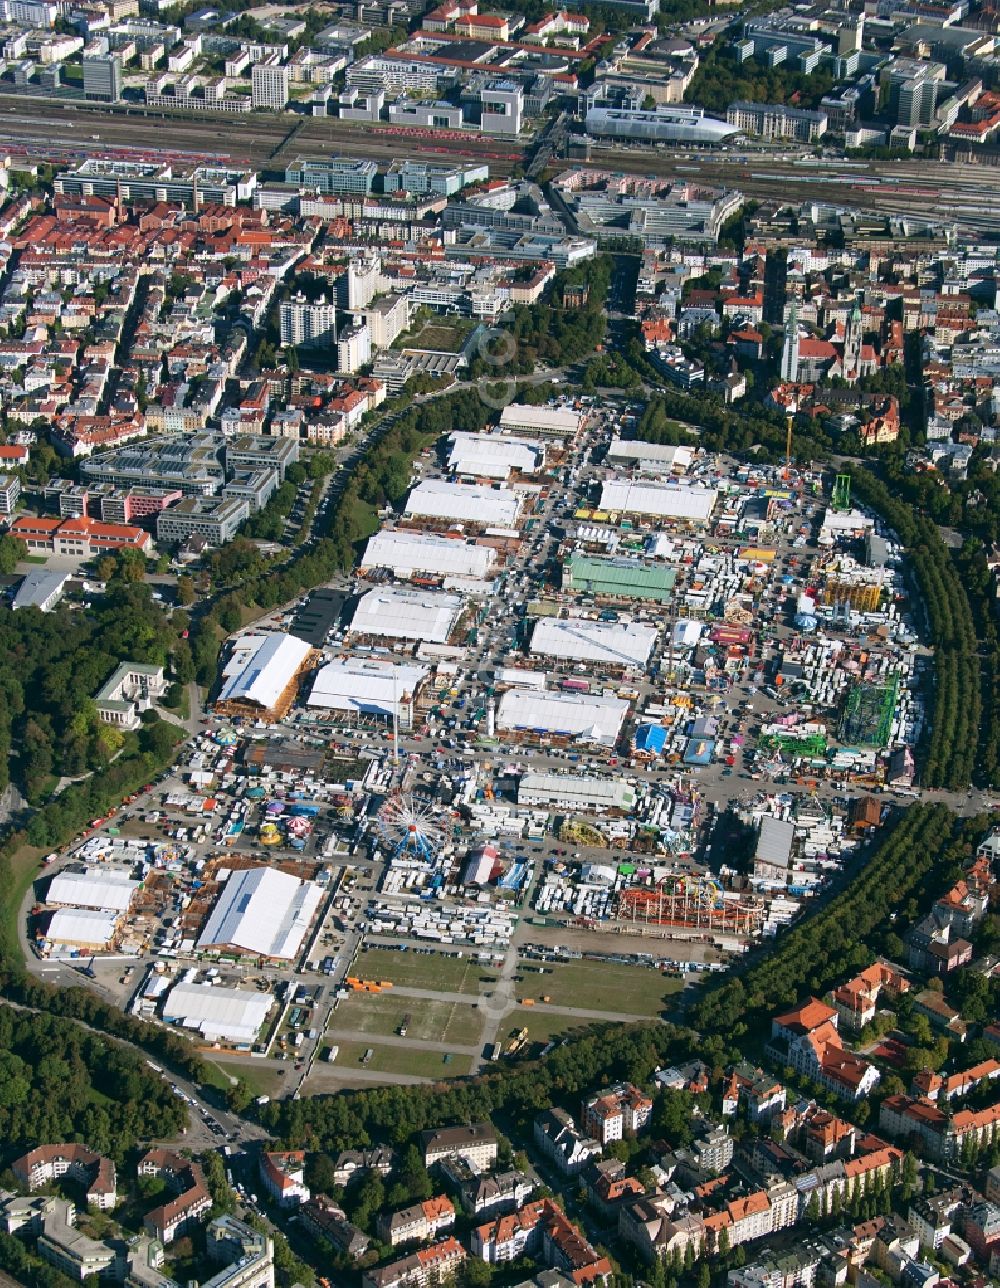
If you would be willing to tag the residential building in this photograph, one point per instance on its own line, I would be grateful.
(283, 1175)
(325, 1220)
(559, 1139)
(308, 325)
(10, 490)
(354, 348)
(477, 1144)
(420, 1269)
(191, 1200)
(269, 84)
(622, 1111)
(418, 1223)
(50, 1163)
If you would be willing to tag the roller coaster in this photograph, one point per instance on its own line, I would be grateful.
(691, 902)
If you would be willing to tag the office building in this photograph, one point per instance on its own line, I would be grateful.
(502, 106)
(102, 78)
(338, 175)
(775, 121)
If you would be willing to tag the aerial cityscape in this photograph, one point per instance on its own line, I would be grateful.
(500, 644)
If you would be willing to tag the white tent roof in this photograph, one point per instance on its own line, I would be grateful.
(610, 643)
(264, 911)
(261, 668)
(397, 613)
(664, 501)
(545, 420)
(409, 552)
(578, 715)
(364, 685)
(85, 927)
(687, 633)
(464, 503)
(494, 455)
(219, 1014)
(92, 888)
(655, 454)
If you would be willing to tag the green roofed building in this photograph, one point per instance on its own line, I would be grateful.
(618, 578)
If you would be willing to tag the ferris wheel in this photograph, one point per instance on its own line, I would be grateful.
(411, 828)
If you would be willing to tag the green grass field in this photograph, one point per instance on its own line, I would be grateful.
(393, 1059)
(457, 1022)
(542, 1025)
(599, 986)
(425, 970)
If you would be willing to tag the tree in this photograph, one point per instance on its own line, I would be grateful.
(704, 1275)
(12, 551)
(185, 591)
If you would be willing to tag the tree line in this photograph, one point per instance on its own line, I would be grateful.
(954, 726)
(913, 854)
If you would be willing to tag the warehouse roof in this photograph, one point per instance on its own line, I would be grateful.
(219, 1014)
(494, 455)
(546, 420)
(410, 552)
(398, 613)
(578, 715)
(629, 578)
(92, 888)
(41, 589)
(613, 793)
(84, 926)
(774, 845)
(662, 500)
(261, 667)
(264, 911)
(610, 643)
(464, 503)
(658, 454)
(364, 685)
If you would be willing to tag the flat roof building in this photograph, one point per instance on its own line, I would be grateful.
(606, 643)
(494, 456)
(41, 590)
(550, 422)
(575, 791)
(261, 676)
(652, 458)
(231, 1015)
(263, 912)
(618, 578)
(368, 687)
(108, 891)
(660, 501)
(390, 612)
(464, 503)
(563, 715)
(408, 554)
(82, 928)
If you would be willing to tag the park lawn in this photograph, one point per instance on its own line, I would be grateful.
(262, 1079)
(415, 1061)
(458, 1022)
(599, 986)
(433, 971)
(542, 1026)
(24, 868)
